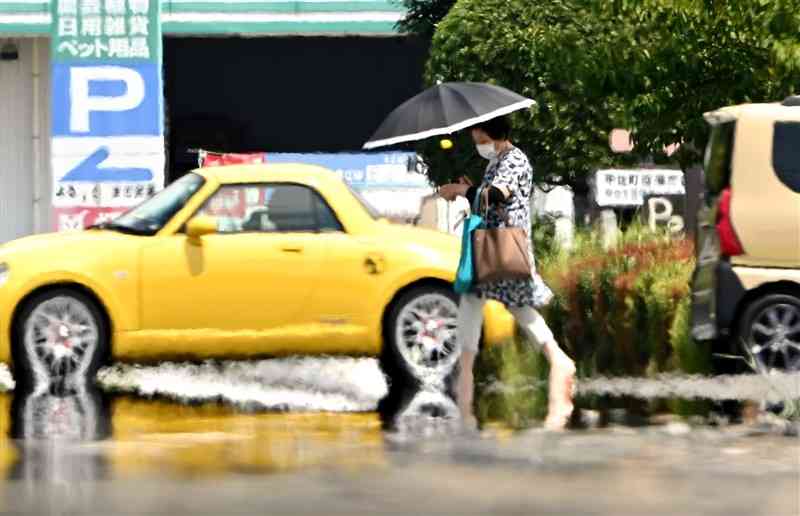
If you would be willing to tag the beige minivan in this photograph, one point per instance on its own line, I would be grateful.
(746, 286)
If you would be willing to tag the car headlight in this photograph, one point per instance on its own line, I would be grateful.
(3, 273)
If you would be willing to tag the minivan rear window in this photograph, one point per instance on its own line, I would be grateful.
(786, 154)
(718, 156)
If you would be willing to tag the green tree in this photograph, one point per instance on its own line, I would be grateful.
(538, 50)
(422, 16)
(653, 66)
(701, 55)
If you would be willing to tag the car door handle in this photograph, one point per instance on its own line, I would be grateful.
(292, 249)
(374, 264)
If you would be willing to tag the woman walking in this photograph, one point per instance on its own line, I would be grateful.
(509, 180)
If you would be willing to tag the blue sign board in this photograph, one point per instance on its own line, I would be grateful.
(108, 99)
(362, 170)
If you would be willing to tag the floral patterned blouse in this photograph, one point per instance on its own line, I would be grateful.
(512, 171)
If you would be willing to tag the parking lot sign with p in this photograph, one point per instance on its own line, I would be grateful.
(107, 126)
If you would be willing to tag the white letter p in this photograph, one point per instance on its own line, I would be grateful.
(660, 210)
(83, 103)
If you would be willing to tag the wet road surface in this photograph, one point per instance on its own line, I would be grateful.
(303, 436)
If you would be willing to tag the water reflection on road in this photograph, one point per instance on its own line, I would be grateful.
(311, 436)
(212, 419)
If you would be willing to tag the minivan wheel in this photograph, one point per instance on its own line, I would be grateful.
(770, 333)
(420, 338)
(60, 337)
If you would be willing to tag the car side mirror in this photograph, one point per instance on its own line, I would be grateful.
(199, 226)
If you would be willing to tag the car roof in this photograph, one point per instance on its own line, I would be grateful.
(774, 111)
(266, 172)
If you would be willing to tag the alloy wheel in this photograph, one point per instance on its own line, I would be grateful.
(426, 336)
(774, 339)
(61, 338)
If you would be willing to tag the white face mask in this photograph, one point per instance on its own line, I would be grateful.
(486, 150)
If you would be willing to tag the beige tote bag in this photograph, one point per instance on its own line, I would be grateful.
(501, 253)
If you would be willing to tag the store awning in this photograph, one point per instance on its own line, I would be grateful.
(24, 17)
(250, 17)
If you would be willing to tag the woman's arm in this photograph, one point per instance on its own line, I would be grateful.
(496, 195)
(451, 191)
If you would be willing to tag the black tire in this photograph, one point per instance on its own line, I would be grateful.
(776, 313)
(59, 371)
(404, 377)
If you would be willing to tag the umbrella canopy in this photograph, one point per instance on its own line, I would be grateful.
(444, 109)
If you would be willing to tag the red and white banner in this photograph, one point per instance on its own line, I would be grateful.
(74, 218)
(215, 159)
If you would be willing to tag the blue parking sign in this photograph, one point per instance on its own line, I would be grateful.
(108, 99)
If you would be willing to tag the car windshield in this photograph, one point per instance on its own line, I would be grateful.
(150, 216)
(373, 212)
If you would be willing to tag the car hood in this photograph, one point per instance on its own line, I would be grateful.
(59, 242)
(420, 238)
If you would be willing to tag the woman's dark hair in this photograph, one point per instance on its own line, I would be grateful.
(497, 128)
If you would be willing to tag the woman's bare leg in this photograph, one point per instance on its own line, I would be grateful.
(560, 388)
(465, 388)
(470, 321)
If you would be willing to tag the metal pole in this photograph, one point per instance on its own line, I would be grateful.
(36, 139)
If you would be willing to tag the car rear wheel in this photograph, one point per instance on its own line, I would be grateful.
(61, 337)
(421, 345)
(770, 333)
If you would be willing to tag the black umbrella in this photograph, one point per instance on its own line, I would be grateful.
(444, 109)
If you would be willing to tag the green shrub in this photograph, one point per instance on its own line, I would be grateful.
(615, 309)
(621, 311)
(543, 235)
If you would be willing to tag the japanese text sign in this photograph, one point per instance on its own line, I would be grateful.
(107, 122)
(106, 29)
(629, 187)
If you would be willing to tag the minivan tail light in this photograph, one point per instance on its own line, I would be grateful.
(728, 241)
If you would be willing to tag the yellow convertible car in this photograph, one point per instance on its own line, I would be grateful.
(235, 262)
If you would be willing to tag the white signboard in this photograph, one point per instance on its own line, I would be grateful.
(402, 203)
(618, 187)
(106, 172)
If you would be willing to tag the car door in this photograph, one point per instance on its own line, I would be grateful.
(351, 303)
(246, 286)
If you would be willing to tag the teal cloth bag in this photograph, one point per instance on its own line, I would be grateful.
(465, 275)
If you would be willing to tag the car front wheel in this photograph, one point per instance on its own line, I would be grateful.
(61, 337)
(421, 344)
(770, 333)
